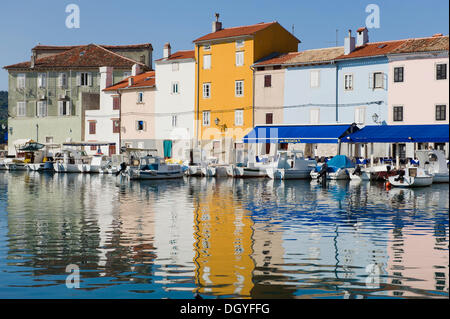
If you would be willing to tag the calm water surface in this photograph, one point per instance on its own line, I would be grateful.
(221, 238)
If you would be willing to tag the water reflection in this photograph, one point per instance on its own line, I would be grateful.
(220, 238)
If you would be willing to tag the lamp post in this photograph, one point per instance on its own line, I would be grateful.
(37, 132)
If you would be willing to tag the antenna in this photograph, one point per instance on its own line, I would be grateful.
(293, 28)
(336, 42)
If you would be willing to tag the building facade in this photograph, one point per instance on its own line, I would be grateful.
(137, 110)
(224, 90)
(175, 103)
(49, 95)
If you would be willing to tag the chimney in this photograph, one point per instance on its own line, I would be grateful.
(106, 78)
(437, 35)
(130, 81)
(136, 69)
(349, 43)
(167, 50)
(216, 25)
(362, 36)
(33, 59)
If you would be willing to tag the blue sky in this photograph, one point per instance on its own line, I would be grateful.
(25, 23)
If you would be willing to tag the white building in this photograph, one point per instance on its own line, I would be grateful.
(103, 124)
(175, 103)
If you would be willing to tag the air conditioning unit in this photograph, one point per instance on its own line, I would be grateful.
(41, 96)
(62, 96)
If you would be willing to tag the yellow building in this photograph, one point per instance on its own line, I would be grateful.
(224, 88)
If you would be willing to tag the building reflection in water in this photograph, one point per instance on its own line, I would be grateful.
(255, 238)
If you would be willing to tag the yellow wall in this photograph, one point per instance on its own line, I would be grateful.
(224, 73)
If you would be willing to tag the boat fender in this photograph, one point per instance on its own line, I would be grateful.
(388, 186)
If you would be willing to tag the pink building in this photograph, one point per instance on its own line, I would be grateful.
(137, 110)
(418, 85)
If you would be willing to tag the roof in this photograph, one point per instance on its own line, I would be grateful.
(437, 133)
(179, 55)
(91, 55)
(372, 49)
(299, 133)
(236, 31)
(146, 79)
(69, 47)
(435, 43)
(307, 56)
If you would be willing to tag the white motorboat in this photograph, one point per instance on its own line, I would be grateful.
(151, 167)
(337, 168)
(42, 157)
(434, 163)
(257, 168)
(16, 165)
(411, 177)
(71, 161)
(292, 165)
(100, 164)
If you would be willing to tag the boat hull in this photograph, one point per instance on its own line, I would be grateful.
(66, 168)
(280, 173)
(47, 166)
(408, 181)
(440, 178)
(243, 172)
(153, 175)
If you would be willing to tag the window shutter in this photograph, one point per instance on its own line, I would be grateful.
(60, 108)
(60, 80)
(89, 79)
(78, 79)
(69, 107)
(371, 84)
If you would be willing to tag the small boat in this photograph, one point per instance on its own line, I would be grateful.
(152, 167)
(434, 163)
(16, 165)
(359, 173)
(292, 165)
(100, 164)
(71, 161)
(42, 159)
(256, 169)
(337, 168)
(411, 177)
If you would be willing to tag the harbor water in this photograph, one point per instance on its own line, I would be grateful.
(220, 238)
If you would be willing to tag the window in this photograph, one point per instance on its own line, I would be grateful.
(239, 88)
(140, 97)
(84, 79)
(140, 125)
(21, 108)
(21, 80)
(112, 149)
(116, 126)
(93, 148)
(239, 117)
(63, 108)
(314, 116)
(441, 112)
(378, 80)
(398, 74)
(116, 102)
(92, 127)
(174, 121)
(206, 118)
(175, 66)
(41, 110)
(175, 88)
(206, 90)
(239, 43)
(348, 82)
(267, 80)
(314, 79)
(49, 139)
(269, 118)
(62, 80)
(42, 80)
(398, 113)
(207, 61)
(441, 71)
(360, 115)
(240, 58)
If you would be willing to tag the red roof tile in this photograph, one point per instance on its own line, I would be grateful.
(372, 49)
(187, 54)
(69, 47)
(235, 31)
(85, 56)
(430, 44)
(146, 79)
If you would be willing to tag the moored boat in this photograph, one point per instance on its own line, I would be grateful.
(434, 163)
(292, 165)
(337, 168)
(411, 177)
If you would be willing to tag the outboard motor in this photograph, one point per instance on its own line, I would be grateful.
(123, 167)
(323, 171)
(357, 171)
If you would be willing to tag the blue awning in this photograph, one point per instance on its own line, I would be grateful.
(299, 133)
(437, 133)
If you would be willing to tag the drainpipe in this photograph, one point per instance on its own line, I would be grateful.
(253, 97)
(120, 121)
(198, 94)
(337, 92)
